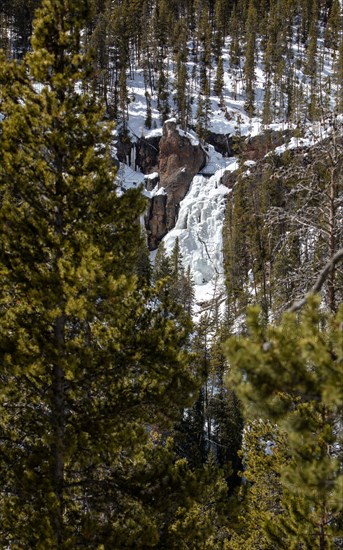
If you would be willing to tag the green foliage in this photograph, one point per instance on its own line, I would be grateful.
(289, 374)
(176, 284)
(264, 452)
(163, 38)
(333, 25)
(249, 67)
(90, 362)
(162, 266)
(213, 426)
(219, 82)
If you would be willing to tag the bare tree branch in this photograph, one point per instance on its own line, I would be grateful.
(320, 281)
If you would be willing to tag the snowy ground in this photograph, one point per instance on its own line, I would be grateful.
(200, 223)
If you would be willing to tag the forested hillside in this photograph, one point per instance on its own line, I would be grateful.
(286, 57)
(171, 252)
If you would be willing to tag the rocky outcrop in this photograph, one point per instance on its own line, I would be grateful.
(255, 148)
(156, 220)
(228, 179)
(124, 148)
(147, 154)
(151, 180)
(180, 161)
(141, 155)
(222, 143)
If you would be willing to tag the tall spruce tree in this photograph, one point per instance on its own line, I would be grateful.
(88, 366)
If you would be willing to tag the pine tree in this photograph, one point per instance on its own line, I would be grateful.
(311, 67)
(176, 260)
(163, 93)
(123, 100)
(203, 112)
(162, 268)
(188, 293)
(338, 76)
(289, 375)
(219, 81)
(148, 118)
(235, 31)
(181, 97)
(266, 110)
(249, 67)
(225, 413)
(264, 452)
(143, 267)
(87, 364)
(333, 26)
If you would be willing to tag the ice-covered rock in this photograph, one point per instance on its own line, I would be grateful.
(199, 228)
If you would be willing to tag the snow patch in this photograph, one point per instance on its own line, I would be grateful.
(151, 176)
(128, 178)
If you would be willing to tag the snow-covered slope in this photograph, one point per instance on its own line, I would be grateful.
(201, 215)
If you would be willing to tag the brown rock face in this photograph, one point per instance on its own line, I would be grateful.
(147, 152)
(257, 147)
(156, 222)
(221, 142)
(228, 179)
(180, 161)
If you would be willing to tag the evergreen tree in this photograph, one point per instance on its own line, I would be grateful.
(203, 112)
(225, 413)
(193, 432)
(181, 98)
(88, 366)
(143, 267)
(148, 118)
(311, 67)
(289, 374)
(162, 268)
(123, 100)
(163, 93)
(250, 51)
(266, 110)
(188, 293)
(219, 81)
(338, 76)
(176, 260)
(235, 32)
(332, 28)
(264, 453)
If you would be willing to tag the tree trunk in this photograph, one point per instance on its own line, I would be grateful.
(58, 422)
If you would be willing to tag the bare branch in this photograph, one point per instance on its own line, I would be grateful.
(320, 281)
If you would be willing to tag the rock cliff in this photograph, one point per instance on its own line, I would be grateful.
(180, 159)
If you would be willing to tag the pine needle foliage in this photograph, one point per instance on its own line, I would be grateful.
(290, 375)
(88, 364)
